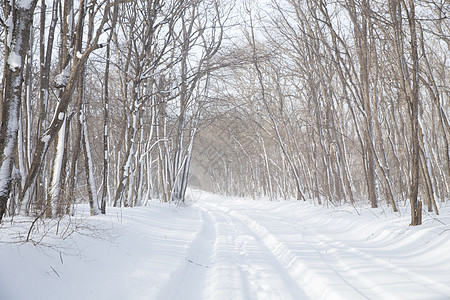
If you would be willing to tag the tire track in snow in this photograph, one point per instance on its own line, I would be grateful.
(335, 252)
(188, 280)
(243, 267)
(334, 265)
(375, 278)
(225, 279)
(198, 260)
(305, 267)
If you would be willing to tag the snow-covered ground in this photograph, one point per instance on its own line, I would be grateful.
(229, 248)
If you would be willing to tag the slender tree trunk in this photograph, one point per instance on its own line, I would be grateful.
(89, 167)
(416, 205)
(54, 192)
(105, 132)
(16, 50)
(106, 117)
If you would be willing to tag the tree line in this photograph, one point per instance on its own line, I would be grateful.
(343, 101)
(101, 100)
(111, 101)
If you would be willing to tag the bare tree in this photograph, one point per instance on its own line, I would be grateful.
(17, 43)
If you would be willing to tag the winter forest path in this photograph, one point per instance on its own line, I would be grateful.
(259, 252)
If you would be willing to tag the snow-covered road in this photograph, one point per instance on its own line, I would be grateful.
(231, 248)
(264, 253)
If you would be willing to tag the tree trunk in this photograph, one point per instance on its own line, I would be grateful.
(92, 190)
(12, 93)
(416, 205)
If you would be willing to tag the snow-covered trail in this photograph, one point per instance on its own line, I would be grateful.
(233, 248)
(243, 266)
(262, 253)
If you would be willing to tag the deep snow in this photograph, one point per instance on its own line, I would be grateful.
(229, 248)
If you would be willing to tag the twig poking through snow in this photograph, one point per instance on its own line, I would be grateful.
(197, 264)
(55, 272)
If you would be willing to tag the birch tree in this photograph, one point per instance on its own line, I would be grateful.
(20, 18)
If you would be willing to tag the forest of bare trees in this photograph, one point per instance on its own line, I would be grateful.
(118, 102)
